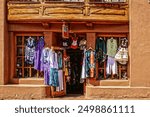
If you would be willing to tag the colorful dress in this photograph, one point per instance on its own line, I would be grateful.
(89, 64)
(45, 64)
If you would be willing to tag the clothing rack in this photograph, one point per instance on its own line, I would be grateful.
(57, 48)
(53, 92)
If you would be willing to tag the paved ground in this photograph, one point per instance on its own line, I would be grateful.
(82, 97)
(68, 97)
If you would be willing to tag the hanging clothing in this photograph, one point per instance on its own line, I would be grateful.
(60, 78)
(83, 71)
(30, 50)
(53, 59)
(111, 66)
(65, 43)
(74, 44)
(82, 44)
(59, 57)
(111, 47)
(90, 63)
(124, 43)
(37, 55)
(100, 49)
(122, 56)
(53, 80)
(45, 64)
(67, 66)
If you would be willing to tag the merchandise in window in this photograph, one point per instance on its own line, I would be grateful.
(25, 56)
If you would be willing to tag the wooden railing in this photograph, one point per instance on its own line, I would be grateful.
(96, 1)
(68, 9)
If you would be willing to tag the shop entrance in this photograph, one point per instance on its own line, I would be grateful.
(73, 86)
(73, 49)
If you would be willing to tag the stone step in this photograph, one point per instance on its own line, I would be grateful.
(23, 91)
(119, 92)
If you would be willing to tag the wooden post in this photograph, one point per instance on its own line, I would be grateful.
(48, 38)
(91, 38)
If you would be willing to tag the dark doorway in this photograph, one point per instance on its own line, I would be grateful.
(74, 86)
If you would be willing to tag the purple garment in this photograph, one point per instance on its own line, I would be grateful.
(111, 60)
(46, 74)
(45, 64)
(37, 54)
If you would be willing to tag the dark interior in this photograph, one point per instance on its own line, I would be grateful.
(75, 87)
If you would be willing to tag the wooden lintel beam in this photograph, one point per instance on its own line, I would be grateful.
(46, 25)
(89, 25)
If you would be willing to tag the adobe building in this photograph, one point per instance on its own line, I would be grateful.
(88, 19)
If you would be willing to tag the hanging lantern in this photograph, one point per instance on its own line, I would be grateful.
(65, 31)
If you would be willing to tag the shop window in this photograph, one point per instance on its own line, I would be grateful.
(109, 67)
(23, 68)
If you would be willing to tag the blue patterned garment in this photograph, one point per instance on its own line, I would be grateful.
(53, 80)
(88, 64)
(59, 59)
(30, 50)
(45, 64)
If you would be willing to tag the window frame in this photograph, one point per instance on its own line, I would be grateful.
(15, 54)
(117, 35)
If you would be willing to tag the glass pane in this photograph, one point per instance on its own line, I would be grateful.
(34, 73)
(101, 64)
(26, 72)
(19, 72)
(35, 37)
(19, 62)
(25, 39)
(41, 74)
(19, 51)
(19, 40)
(26, 64)
(124, 75)
(101, 74)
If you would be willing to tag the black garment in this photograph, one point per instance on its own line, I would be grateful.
(100, 49)
(124, 43)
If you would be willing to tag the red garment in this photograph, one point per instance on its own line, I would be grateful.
(74, 44)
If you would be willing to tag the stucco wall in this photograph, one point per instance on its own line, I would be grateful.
(140, 43)
(4, 44)
(1, 41)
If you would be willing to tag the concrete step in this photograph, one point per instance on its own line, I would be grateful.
(117, 92)
(23, 91)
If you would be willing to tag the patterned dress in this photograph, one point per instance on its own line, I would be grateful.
(30, 50)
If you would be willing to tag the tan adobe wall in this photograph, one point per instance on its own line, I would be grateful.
(1, 40)
(140, 43)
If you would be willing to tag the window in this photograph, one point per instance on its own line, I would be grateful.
(23, 69)
(122, 70)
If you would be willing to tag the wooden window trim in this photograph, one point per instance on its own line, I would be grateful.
(15, 79)
(120, 35)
